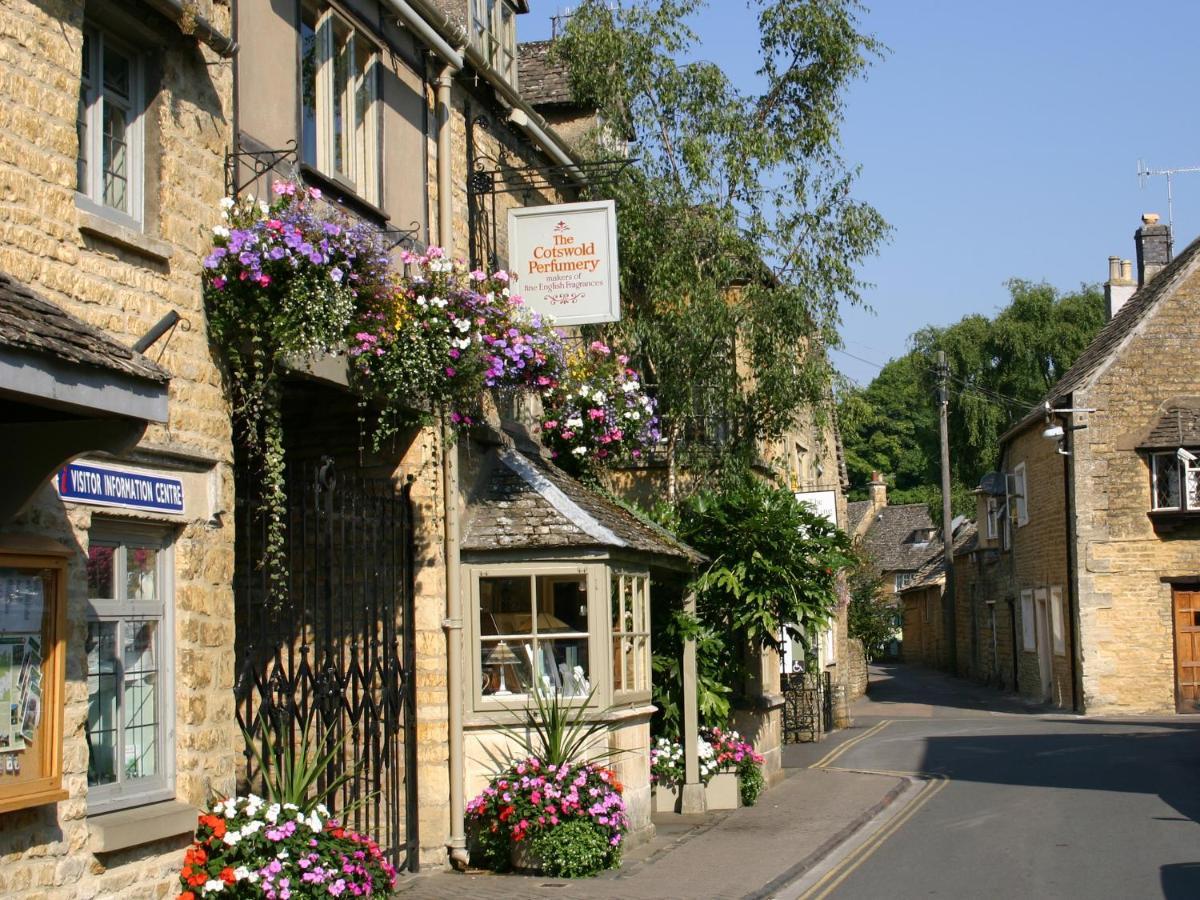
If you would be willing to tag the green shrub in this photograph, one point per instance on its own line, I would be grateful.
(752, 783)
(575, 850)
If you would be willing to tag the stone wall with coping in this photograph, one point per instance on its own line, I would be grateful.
(123, 285)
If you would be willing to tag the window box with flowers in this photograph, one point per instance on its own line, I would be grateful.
(730, 770)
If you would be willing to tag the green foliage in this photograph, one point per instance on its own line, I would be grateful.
(555, 730)
(731, 188)
(775, 562)
(291, 774)
(671, 627)
(871, 618)
(999, 369)
(575, 849)
(752, 783)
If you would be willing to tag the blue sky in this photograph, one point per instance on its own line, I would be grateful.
(999, 140)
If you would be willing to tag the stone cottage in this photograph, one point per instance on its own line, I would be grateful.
(1087, 534)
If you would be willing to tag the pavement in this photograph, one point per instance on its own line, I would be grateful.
(940, 788)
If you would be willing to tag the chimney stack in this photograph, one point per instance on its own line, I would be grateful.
(1120, 286)
(877, 492)
(1153, 242)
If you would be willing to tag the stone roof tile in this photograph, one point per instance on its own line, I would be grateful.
(892, 541)
(542, 80)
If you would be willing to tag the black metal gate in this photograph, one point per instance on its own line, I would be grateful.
(807, 706)
(328, 657)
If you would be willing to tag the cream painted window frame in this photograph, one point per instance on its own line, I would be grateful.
(512, 709)
(1020, 498)
(643, 661)
(363, 175)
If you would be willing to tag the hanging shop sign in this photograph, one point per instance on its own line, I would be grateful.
(823, 503)
(32, 671)
(128, 489)
(565, 260)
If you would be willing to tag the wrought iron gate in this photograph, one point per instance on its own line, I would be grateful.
(327, 657)
(807, 707)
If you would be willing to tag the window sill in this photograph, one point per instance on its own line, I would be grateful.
(344, 194)
(1166, 520)
(124, 237)
(140, 825)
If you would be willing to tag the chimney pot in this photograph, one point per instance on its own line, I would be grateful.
(877, 491)
(1150, 218)
(1114, 268)
(1127, 270)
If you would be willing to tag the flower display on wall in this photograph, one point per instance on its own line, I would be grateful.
(601, 411)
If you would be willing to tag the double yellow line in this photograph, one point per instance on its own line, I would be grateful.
(934, 784)
(830, 881)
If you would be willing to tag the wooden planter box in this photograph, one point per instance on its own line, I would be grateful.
(723, 792)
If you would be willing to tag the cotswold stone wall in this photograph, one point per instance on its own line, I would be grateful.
(124, 285)
(1125, 614)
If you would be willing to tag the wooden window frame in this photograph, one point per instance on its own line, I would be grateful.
(52, 558)
(1028, 622)
(641, 631)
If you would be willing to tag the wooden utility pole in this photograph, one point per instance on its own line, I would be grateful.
(948, 609)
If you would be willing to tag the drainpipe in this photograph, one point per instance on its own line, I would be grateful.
(196, 25)
(1072, 596)
(457, 841)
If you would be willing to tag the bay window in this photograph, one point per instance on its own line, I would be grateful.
(630, 632)
(129, 650)
(494, 35)
(340, 107)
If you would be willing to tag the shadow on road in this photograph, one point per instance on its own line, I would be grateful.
(1181, 880)
(900, 684)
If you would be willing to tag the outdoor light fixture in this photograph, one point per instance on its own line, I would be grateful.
(1184, 456)
(1053, 433)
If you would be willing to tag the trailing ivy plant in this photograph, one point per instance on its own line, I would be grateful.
(283, 279)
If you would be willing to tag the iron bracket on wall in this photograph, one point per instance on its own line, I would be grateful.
(517, 179)
(260, 162)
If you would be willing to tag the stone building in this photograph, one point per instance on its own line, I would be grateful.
(116, 121)
(897, 540)
(1087, 533)
(922, 601)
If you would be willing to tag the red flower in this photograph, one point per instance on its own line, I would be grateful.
(506, 812)
(227, 875)
(186, 895)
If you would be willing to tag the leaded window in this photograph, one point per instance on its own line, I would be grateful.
(129, 648)
(109, 126)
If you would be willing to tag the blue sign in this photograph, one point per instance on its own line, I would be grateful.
(114, 487)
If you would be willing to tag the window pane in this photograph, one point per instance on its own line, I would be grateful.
(1166, 482)
(364, 123)
(81, 163)
(641, 652)
(627, 647)
(618, 664)
(505, 606)
(628, 623)
(506, 666)
(308, 86)
(563, 667)
(1193, 488)
(102, 677)
(116, 156)
(616, 602)
(100, 572)
(562, 604)
(140, 699)
(342, 48)
(117, 69)
(141, 573)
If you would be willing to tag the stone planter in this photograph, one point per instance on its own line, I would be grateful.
(723, 792)
(523, 858)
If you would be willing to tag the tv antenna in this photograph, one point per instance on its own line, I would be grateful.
(1145, 172)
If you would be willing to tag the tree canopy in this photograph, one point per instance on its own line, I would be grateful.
(999, 369)
(738, 227)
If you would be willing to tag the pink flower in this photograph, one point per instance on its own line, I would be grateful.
(218, 282)
(501, 276)
(450, 372)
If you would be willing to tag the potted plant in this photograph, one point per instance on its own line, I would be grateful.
(730, 770)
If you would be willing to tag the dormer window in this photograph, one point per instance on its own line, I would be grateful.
(1175, 481)
(494, 34)
(921, 536)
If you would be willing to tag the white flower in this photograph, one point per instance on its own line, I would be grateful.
(214, 886)
(323, 809)
(282, 854)
(252, 827)
(633, 414)
(504, 292)
(629, 387)
(575, 422)
(241, 873)
(226, 203)
(272, 815)
(461, 343)
(315, 823)
(231, 838)
(579, 451)
(599, 396)
(263, 207)
(462, 324)
(421, 301)
(220, 231)
(584, 392)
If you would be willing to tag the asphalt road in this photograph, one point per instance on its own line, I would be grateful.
(1019, 803)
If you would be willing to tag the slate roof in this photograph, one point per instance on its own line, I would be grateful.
(1108, 342)
(526, 502)
(855, 510)
(1178, 426)
(889, 539)
(933, 570)
(31, 324)
(543, 82)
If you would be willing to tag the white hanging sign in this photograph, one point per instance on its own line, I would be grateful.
(565, 260)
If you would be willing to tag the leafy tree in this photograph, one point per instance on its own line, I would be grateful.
(739, 232)
(999, 369)
(871, 618)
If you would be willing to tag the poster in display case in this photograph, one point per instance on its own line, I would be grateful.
(32, 671)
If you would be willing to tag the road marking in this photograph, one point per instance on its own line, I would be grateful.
(830, 881)
(833, 754)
